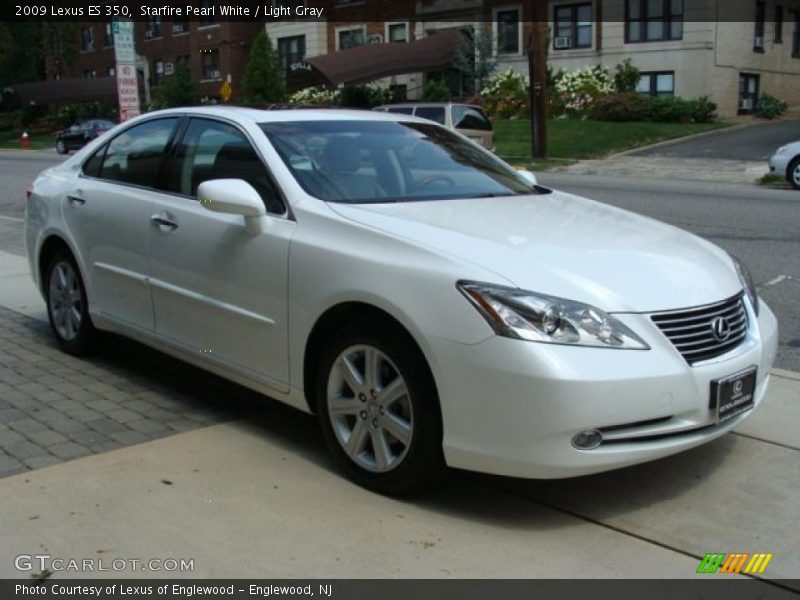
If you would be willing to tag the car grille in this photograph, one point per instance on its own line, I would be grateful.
(692, 331)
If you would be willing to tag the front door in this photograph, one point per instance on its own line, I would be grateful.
(219, 291)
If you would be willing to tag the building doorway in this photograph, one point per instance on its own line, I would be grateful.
(748, 92)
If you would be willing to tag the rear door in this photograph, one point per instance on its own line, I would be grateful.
(218, 291)
(108, 217)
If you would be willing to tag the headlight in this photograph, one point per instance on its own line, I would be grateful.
(747, 283)
(523, 315)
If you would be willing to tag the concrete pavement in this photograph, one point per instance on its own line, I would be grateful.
(255, 495)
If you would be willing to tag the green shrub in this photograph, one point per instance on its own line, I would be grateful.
(703, 110)
(628, 106)
(626, 76)
(435, 91)
(769, 107)
(670, 109)
(364, 96)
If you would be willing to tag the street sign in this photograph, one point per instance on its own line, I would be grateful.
(124, 51)
(225, 91)
(127, 82)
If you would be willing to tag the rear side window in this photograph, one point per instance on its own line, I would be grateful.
(134, 156)
(466, 117)
(402, 110)
(432, 113)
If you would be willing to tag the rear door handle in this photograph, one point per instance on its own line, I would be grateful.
(162, 221)
(75, 200)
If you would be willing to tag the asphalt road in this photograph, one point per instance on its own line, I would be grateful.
(760, 226)
(754, 142)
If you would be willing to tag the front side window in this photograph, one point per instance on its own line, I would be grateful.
(215, 150)
(573, 26)
(467, 117)
(382, 161)
(351, 38)
(508, 31)
(653, 20)
(657, 84)
(134, 156)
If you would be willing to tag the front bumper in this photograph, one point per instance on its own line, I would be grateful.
(779, 165)
(511, 407)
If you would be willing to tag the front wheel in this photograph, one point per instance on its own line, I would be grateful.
(793, 173)
(379, 409)
(67, 307)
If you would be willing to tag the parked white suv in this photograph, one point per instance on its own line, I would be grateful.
(465, 118)
(431, 304)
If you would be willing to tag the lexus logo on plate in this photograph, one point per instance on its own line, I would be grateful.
(721, 328)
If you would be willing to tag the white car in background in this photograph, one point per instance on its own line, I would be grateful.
(786, 163)
(428, 302)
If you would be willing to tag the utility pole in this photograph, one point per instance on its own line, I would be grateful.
(537, 75)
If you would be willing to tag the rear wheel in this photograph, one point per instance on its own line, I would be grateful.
(378, 408)
(793, 173)
(67, 307)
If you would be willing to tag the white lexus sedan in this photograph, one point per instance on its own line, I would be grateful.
(429, 303)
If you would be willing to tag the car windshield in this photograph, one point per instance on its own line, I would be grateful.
(385, 161)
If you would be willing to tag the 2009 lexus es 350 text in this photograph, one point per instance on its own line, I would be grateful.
(431, 304)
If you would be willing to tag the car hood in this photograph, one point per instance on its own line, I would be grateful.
(565, 246)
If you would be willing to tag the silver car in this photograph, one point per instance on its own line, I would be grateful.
(786, 162)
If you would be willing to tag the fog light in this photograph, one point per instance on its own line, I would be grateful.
(586, 440)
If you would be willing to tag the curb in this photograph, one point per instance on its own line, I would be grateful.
(786, 374)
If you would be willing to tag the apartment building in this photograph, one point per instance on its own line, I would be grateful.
(215, 52)
(688, 48)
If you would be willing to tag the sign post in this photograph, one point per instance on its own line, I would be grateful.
(127, 83)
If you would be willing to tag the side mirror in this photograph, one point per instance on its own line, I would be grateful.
(529, 177)
(234, 197)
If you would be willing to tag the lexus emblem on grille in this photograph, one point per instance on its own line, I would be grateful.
(721, 329)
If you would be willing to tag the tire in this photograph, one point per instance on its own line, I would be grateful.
(793, 173)
(390, 422)
(67, 306)
(61, 147)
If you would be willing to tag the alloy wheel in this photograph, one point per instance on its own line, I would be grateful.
(65, 300)
(796, 175)
(369, 408)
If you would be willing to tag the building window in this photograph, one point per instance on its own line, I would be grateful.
(748, 92)
(508, 31)
(778, 24)
(396, 33)
(158, 71)
(573, 26)
(153, 28)
(180, 27)
(207, 20)
(796, 36)
(111, 71)
(350, 38)
(761, 17)
(211, 64)
(399, 92)
(87, 39)
(89, 73)
(657, 83)
(108, 35)
(182, 61)
(291, 50)
(653, 20)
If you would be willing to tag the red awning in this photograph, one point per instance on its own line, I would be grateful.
(374, 61)
(63, 91)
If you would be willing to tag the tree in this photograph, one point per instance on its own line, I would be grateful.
(178, 90)
(262, 81)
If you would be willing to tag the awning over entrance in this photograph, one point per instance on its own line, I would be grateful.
(64, 91)
(374, 61)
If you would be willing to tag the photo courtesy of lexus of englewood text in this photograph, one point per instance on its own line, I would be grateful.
(400, 299)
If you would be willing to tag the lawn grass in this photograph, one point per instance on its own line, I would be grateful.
(574, 139)
(10, 140)
(773, 180)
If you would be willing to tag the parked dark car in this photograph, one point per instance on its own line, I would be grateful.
(78, 135)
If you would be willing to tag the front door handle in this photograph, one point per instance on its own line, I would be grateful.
(76, 201)
(164, 222)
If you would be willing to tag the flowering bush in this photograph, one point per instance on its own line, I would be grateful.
(505, 95)
(581, 88)
(314, 96)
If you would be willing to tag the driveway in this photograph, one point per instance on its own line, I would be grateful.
(756, 142)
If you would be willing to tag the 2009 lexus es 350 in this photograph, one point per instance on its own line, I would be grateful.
(431, 304)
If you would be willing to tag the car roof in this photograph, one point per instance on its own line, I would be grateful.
(425, 104)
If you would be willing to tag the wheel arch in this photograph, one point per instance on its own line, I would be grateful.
(49, 247)
(337, 317)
